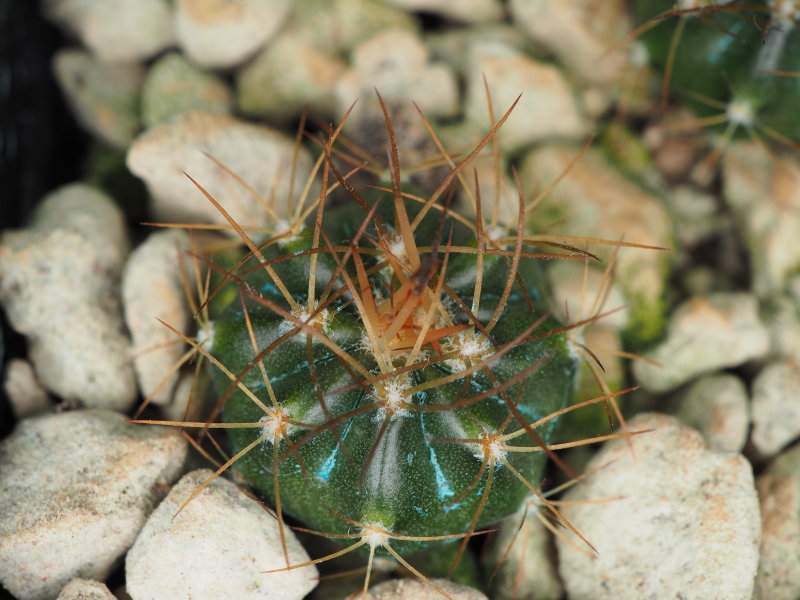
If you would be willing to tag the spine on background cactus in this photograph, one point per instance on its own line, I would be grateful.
(729, 57)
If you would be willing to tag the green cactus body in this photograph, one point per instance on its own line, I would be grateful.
(724, 60)
(416, 452)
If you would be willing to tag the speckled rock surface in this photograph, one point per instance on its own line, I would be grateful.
(216, 547)
(59, 283)
(85, 589)
(258, 155)
(705, 334)
(779, 490)
(75, 488)
(684, 522)
(151, 290)
(410, 589)
(776, 406)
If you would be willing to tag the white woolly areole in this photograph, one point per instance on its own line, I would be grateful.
(373, 533)
(393, 397)
(320, 321)
(205, 336)
(740, 112)
(274, 425)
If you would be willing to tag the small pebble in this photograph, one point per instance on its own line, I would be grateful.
(116, 30)
(545, 93)
(224, 33)
(580, 292)
(85, 589)
(776, 407)
(152, 289)
(718, 406)
(216, 547)
(778, 575)
(260, 156)
(705, 334)
(411, 589)
(173, 85)
(75, 488)
(28, 398)
(59, 283)
(669, 518)
(528, 571)
(103, 97)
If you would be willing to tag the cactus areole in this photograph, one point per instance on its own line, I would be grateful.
(389, 367)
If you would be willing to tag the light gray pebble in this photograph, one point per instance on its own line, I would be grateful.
(59, 282)
(103, 97)
(75, 488)
(224, 33)
(260, 156)
(26, 395)
(776, 407)
(152, 289)
(705, 334)
(116, 30)
(718, 406)
(670, 519)
(174, 85)
(778, 575)
(85, 589)
(216, 547)
(411, 589)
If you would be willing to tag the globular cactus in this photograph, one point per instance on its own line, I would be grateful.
(731, 61)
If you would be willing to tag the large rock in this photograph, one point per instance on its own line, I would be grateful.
(409, 589)
(75, 489)
(705, 334)
(260, 156)
(216, 547)
(59, 281)
(683, 522)
(85, 589)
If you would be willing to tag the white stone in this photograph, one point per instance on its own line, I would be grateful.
(528, 571)
(410, 589)
(581, 33)
(765, 198)
(595, 200)
(778, 575)
(26, 395)
(75, 488)
(718, 406)
(216, 547)
(581, 292)
(85, 589)
(468, 11)
(152, 289)
(260, 156)
(224, 33)
(776, 407)
(186, 403)
(547, 108)
(103, 97)
(705, 334)
(174, 85)
(683, 522)
(59, 285)
(116, 30)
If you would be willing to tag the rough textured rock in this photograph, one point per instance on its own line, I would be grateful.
(258, 155)
(116, 30)
(594, 198)
(545, 95)
(528, 571)
(85, 589)
(26, 395)
(765, 198)
(216, 547)
(718, 407)
(103, 97)
(59, 285)
(173, 86)
(705, 334)
(468, 11)
(776, 406)
(410, 589)
(778, 575)
(152, 289)
(75, 488)
(224, 33)
(684, 521)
